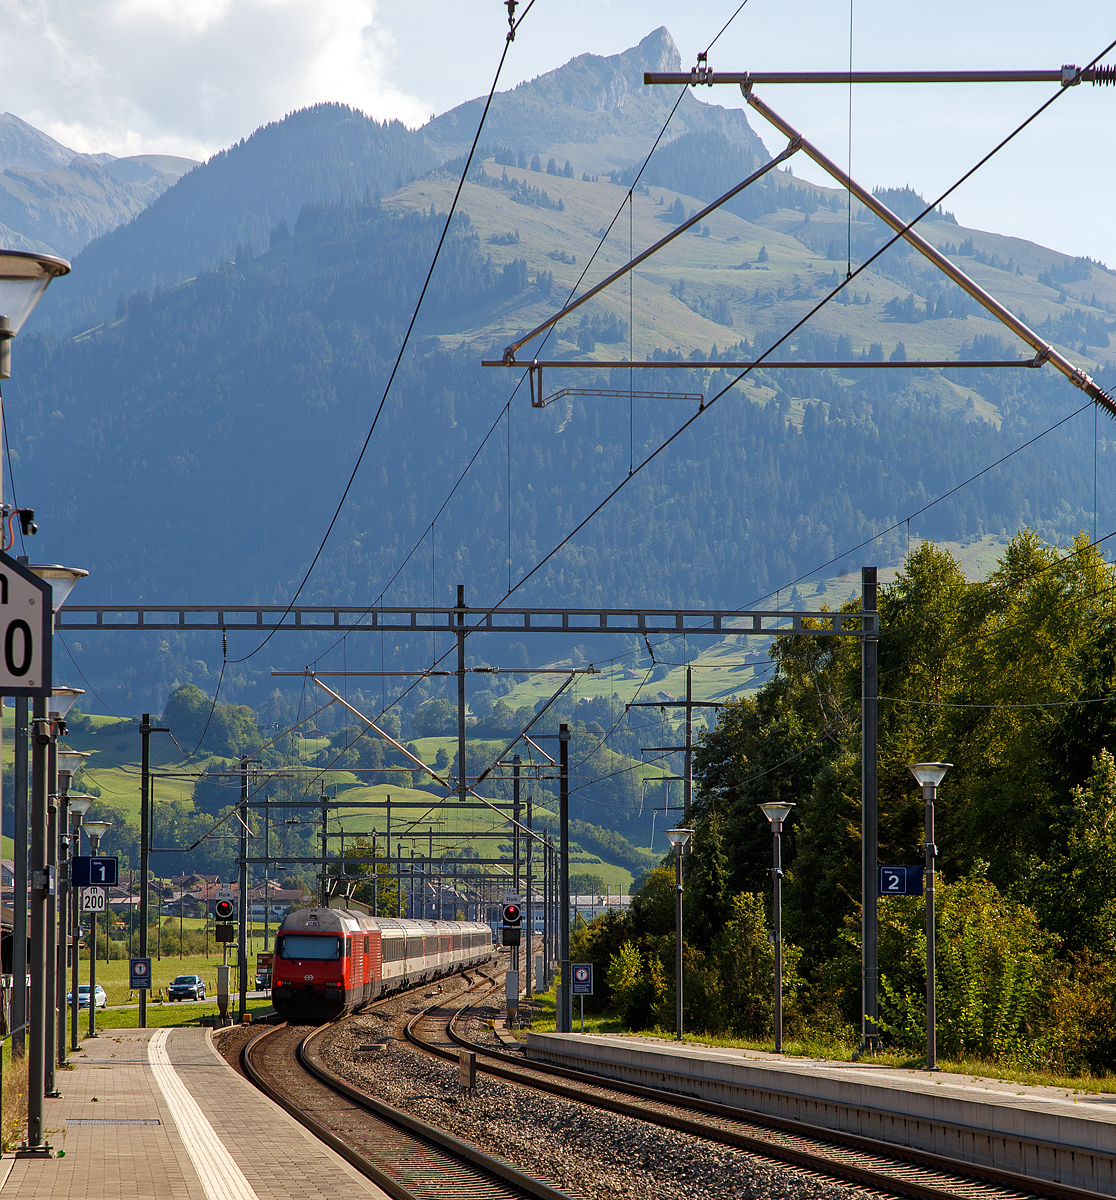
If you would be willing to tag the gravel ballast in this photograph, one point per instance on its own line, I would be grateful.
(582, 1150)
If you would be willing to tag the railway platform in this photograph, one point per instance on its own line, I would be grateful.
(158, 1113)
(1051, 1134)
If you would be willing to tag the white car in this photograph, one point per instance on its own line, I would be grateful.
(83, 996)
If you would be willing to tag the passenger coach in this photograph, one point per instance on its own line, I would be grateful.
(329, 960)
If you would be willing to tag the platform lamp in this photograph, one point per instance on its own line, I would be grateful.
(929, 775)
(24, 277)
(68, 763)
(95, 830)
(679, 839)
(78, 806)
(776, 812)
(59, 703)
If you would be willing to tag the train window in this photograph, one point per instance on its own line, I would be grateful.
(393, 949)
(366, 943)
(414, 947)
(312, 945)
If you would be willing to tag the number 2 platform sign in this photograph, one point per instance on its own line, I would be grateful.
(26, 625)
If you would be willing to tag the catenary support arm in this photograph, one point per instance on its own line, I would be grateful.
(1073, 373)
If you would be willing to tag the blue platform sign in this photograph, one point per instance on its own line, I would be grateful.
(582, 979)
(139, 973)
(900, 881)
(93, 871)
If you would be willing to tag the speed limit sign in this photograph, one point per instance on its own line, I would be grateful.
(94, 900)
(25, 630)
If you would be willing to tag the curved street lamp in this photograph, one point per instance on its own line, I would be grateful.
(776, 812)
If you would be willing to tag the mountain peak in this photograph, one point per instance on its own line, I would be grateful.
(594, 83)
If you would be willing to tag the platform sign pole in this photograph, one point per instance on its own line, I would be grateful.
(19, 880)
(564, 997)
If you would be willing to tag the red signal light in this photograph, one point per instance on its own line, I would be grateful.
(224, 910)
(513, 914)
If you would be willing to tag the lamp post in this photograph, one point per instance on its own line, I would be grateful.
(79, 806)
(69, 763)
(59, 704)
(678, 838)
(929, 775)
(777, 811)
(24, 276)
(95, 831)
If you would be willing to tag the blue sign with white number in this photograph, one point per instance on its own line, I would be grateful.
(88, 870)
(139, 973)
(900, 881)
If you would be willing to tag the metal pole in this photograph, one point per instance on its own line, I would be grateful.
(241, 944)
(462, 780)
(267, 881)
(777, 880)
(1073, 373)
(1066, 76)
(565, 1012)
(515, 859)
(528, 913)
(75, 942)
(145, 838)
(50, 991)
(546, 911)
(19, 880)
(94, 846)
(678, 943)
(869, 850)
(40, 886)
(929, 792)
(688, 784)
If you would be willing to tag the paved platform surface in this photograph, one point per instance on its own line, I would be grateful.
(157, 1114)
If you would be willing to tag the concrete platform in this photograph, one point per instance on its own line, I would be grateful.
(158, 1113)
(1049, 1133)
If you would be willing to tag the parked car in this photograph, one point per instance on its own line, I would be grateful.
(83, 996)
(186, 987)
(263, 981)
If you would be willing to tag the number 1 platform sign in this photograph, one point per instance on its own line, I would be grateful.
(25, 630)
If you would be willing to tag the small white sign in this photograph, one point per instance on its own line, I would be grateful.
(94, 899)
(224, 893)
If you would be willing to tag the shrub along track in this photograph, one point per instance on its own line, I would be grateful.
(881, 1166)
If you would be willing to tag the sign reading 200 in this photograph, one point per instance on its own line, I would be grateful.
(25, 630)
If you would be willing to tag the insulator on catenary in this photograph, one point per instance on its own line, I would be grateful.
(1104, 76)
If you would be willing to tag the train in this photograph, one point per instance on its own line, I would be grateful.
(330, 961)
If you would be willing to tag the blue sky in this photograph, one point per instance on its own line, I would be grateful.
(132, 76)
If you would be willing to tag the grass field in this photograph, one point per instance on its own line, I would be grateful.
(113, 975)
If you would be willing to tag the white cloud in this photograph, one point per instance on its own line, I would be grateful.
(132, 76)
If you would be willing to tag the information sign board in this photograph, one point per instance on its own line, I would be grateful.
(139, 973)
(582, 979)
(900, 881)
(26, 625)
(94, 870)
(93, 899)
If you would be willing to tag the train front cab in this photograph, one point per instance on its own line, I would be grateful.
(312, 976)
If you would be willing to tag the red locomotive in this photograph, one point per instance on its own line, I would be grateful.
(330, 961)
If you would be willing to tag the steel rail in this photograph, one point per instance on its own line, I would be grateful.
(364, 1165)
(1067, 76)
(519, 1072)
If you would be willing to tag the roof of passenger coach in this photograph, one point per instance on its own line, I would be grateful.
(318, 920)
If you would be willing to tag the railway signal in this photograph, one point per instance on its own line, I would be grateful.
(512, 925)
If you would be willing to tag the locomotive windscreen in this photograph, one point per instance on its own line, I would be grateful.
(302, 946)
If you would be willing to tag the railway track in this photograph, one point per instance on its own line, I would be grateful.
(407, 1158)
(867, 1162)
